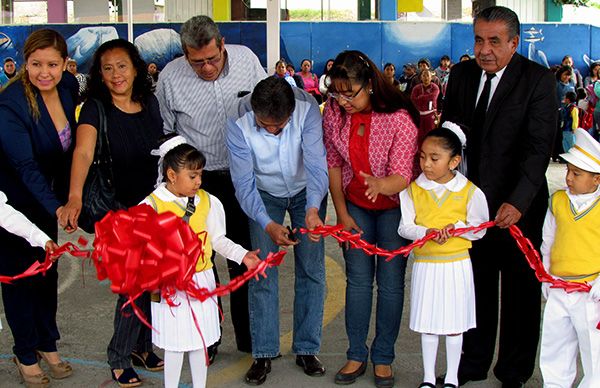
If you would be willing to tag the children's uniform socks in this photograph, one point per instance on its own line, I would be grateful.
(173, 364)
(429, 346)
(453, 352)
(198, 368)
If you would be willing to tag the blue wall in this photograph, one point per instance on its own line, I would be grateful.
(384, 42)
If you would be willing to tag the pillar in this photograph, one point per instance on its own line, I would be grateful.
(273, 31)
(364, 9)
(57, 11)
(452, 9)
(221, 10)
(388, 9)
(554, 12)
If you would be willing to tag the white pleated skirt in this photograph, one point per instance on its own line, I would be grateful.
(175, 327)
(442, 298)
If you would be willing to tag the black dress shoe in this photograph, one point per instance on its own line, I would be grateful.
(212, 351)
(311, 365)
(349, 378)
(257, 374)
(462, 379)
(383, 381)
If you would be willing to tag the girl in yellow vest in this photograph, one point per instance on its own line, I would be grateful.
(571, 251)
(442, 300)
(176, 332)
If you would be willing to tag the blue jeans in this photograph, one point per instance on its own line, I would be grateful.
(568, 140)
(309, 287)
(380, 227)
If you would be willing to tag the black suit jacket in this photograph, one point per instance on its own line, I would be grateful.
(34, 169)
(516, 139)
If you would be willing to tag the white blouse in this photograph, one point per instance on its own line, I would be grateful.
(215, 223)
(477, 209)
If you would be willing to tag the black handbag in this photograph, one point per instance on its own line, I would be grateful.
(98, 192)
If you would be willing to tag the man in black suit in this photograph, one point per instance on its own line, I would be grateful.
(510, 136)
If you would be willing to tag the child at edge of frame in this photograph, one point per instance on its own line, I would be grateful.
(570, 251)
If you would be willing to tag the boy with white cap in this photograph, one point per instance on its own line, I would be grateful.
(571, 251)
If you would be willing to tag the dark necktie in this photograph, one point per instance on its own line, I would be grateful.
(474, 143)
(189, 210)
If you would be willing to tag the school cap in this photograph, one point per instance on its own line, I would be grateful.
(585, 154)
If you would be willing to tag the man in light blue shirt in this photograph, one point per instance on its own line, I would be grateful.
(277, 158)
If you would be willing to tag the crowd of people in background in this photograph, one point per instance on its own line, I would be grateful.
(439, 147)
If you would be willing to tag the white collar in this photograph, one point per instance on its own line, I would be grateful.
(165, 195)
(583, 198)
(455, 184)
(498, 74)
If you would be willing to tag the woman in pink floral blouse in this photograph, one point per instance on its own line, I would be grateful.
(371, 139)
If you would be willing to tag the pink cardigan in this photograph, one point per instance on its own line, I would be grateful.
(392, 143)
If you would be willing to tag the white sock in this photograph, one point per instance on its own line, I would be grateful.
(453, 352)
(173, 364)
(429, 345)
(198, 368)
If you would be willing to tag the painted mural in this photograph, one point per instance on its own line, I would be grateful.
(399, 43)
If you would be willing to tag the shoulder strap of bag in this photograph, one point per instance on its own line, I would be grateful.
(102, 151)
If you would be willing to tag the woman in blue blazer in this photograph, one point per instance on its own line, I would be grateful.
(36, 143)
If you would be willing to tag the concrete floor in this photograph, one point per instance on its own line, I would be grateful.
(86, 309)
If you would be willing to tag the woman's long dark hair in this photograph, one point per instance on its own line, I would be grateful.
(354, 67)
(142, 84)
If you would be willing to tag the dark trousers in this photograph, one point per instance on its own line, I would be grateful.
(130, 334)
(557, 149)
(30, 308)
(218, 183)
(499, 260)
(30, 303)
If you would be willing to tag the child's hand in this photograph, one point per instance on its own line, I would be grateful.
(434, 230)
(50, 247)
(446, 232)
(251, 259)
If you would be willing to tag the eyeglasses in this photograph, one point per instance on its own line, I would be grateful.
(338, 96)
(210, 61)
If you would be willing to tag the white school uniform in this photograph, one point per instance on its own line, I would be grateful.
(175, 327)
(442, 299)
(569, 321)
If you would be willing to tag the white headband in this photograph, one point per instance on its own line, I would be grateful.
(457, 131)
(162, 151)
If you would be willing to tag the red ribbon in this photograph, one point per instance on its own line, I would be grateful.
(140, 251)
(531, 254)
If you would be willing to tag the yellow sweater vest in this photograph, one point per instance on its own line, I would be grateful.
(434, 212)
(197, 223)
(575, 254)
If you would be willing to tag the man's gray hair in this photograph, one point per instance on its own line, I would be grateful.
(198, 32)
(501, 14)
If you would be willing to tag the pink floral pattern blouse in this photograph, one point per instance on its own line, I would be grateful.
(392, 143)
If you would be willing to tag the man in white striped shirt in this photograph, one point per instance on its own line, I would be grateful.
(196, 93)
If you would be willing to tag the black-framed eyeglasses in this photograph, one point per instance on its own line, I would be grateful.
(210, 61)
(339, 96)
